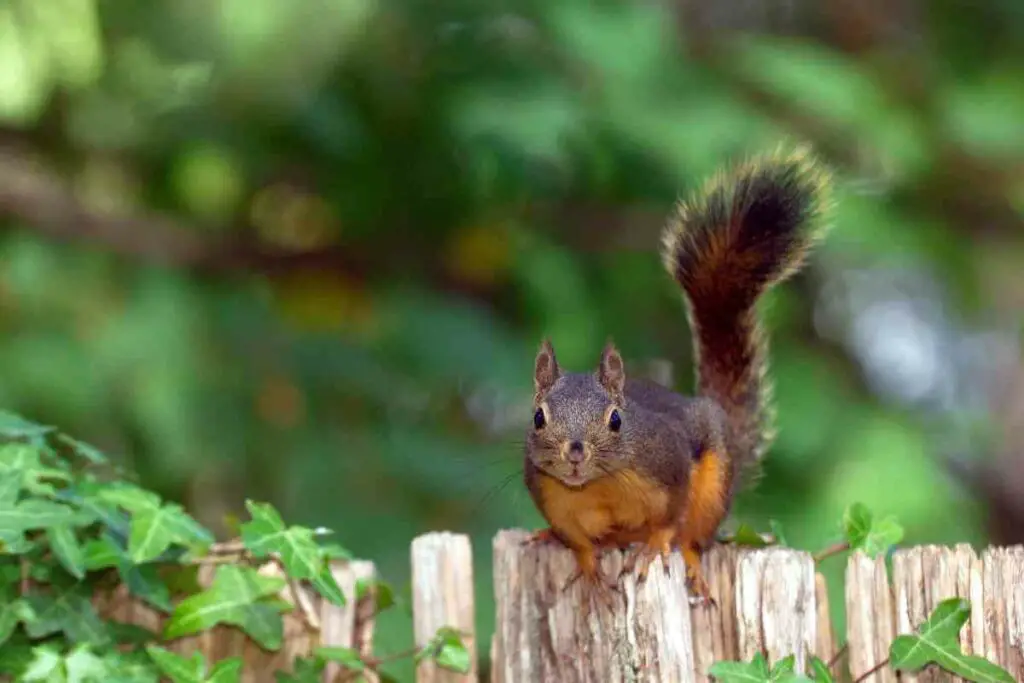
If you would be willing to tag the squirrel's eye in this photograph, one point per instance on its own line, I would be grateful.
(614, 421)
(538, 419)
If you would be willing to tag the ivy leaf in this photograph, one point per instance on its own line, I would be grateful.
(82, 665)
(863, 532)
(454, 657)
(154, 530)
(14, 426)
(23, 463)
(447, 649)
(10, 487)
(784, 666)
(90, 453)
(178, 668)
(35, 514)
(346, 656)
(145, 582)
(130, 634)
(226, 671)
(86, 495)
(133, 666)
(70, 612)
(128, 496)
(747, 536)
(820, 670)
(757, 671)
(302, 556)
(305, 670)
(47, 665)
(79, 666)
(66, 548)
(102, 553)
(937, 642)
(383, 591)
(12, 612)
(737, 672)
(238, 597)
(14, 543)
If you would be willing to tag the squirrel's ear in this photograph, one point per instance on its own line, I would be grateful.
(612, 372)
(545, 369)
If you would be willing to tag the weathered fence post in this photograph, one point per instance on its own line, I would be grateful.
(825, 648)
(443, 592)
(347, 626)
(543, 634)
(869, 617)
(351, 625)
(776, 605)
(922, 577)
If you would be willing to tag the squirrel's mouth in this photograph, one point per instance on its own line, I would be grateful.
(574, 478)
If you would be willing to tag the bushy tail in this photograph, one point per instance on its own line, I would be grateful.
(748, 230)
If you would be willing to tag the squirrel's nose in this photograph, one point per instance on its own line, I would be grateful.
(576, 455)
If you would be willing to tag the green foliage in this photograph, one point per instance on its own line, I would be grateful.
(194, 669)
(77, 533)
(745, 535)
(820, 671)
(266, 535)
(308, 262)
(447, 650)
(757, 671)
(239, 596)
(937, 642)
(866, 533)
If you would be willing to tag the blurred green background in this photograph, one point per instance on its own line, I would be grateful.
(304, 251)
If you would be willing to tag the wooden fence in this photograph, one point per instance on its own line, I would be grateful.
(769, 600)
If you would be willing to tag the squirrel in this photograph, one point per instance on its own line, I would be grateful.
(612, 461)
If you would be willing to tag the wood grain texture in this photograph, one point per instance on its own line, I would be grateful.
(766, 600)
(714, 628)
(923, 577)
(870, 625)
(825, 647)
(443, 590)
(776, 610)
(1003, 580)
(349, 626)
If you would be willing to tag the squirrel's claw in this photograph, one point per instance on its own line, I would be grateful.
(641, 561)
(658, 545)
(596, 587)
(700, 592)
(546, 535)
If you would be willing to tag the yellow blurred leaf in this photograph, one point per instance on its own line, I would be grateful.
(326, 301)
(480, 254)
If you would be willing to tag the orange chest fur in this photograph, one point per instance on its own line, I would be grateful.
(609, 506)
